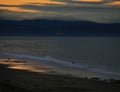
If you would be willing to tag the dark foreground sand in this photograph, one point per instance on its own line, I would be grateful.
(12, 80)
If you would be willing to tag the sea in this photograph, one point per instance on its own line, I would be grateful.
(71, 56)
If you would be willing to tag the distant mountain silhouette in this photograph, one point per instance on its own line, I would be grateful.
(44, 27)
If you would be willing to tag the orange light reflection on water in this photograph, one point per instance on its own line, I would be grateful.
(27, 67)
(21, 66)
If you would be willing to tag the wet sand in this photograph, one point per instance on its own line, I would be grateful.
(16, 80)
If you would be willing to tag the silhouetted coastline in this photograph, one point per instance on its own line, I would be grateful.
(46, 27)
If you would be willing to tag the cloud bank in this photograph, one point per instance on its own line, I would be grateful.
(91, 10)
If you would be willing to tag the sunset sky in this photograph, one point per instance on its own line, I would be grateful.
(90, 10)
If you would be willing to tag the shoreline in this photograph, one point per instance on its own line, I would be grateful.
(14, 80)
(21, 63)
(25, 65)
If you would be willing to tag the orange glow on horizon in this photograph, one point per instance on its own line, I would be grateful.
(19, 2)
(114, 3)
(16, 9)
(89, 0)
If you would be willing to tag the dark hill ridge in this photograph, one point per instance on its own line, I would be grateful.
(44, 27)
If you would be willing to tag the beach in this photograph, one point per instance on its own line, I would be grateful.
(17, 80)
(59, 46)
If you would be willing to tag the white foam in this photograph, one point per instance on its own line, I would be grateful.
(45, 59)
(48, 59)
(2, 44)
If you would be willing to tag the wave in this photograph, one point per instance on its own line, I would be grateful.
(2, 44)
(49, 59)
(42, 58)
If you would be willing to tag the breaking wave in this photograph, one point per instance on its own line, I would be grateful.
(49, 59)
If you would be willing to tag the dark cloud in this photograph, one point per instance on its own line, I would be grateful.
(84, 2)
(59, 7)
(4, 5)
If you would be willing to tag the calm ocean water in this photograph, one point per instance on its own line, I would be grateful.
(79, 56)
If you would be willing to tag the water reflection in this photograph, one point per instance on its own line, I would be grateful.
(21, 65)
